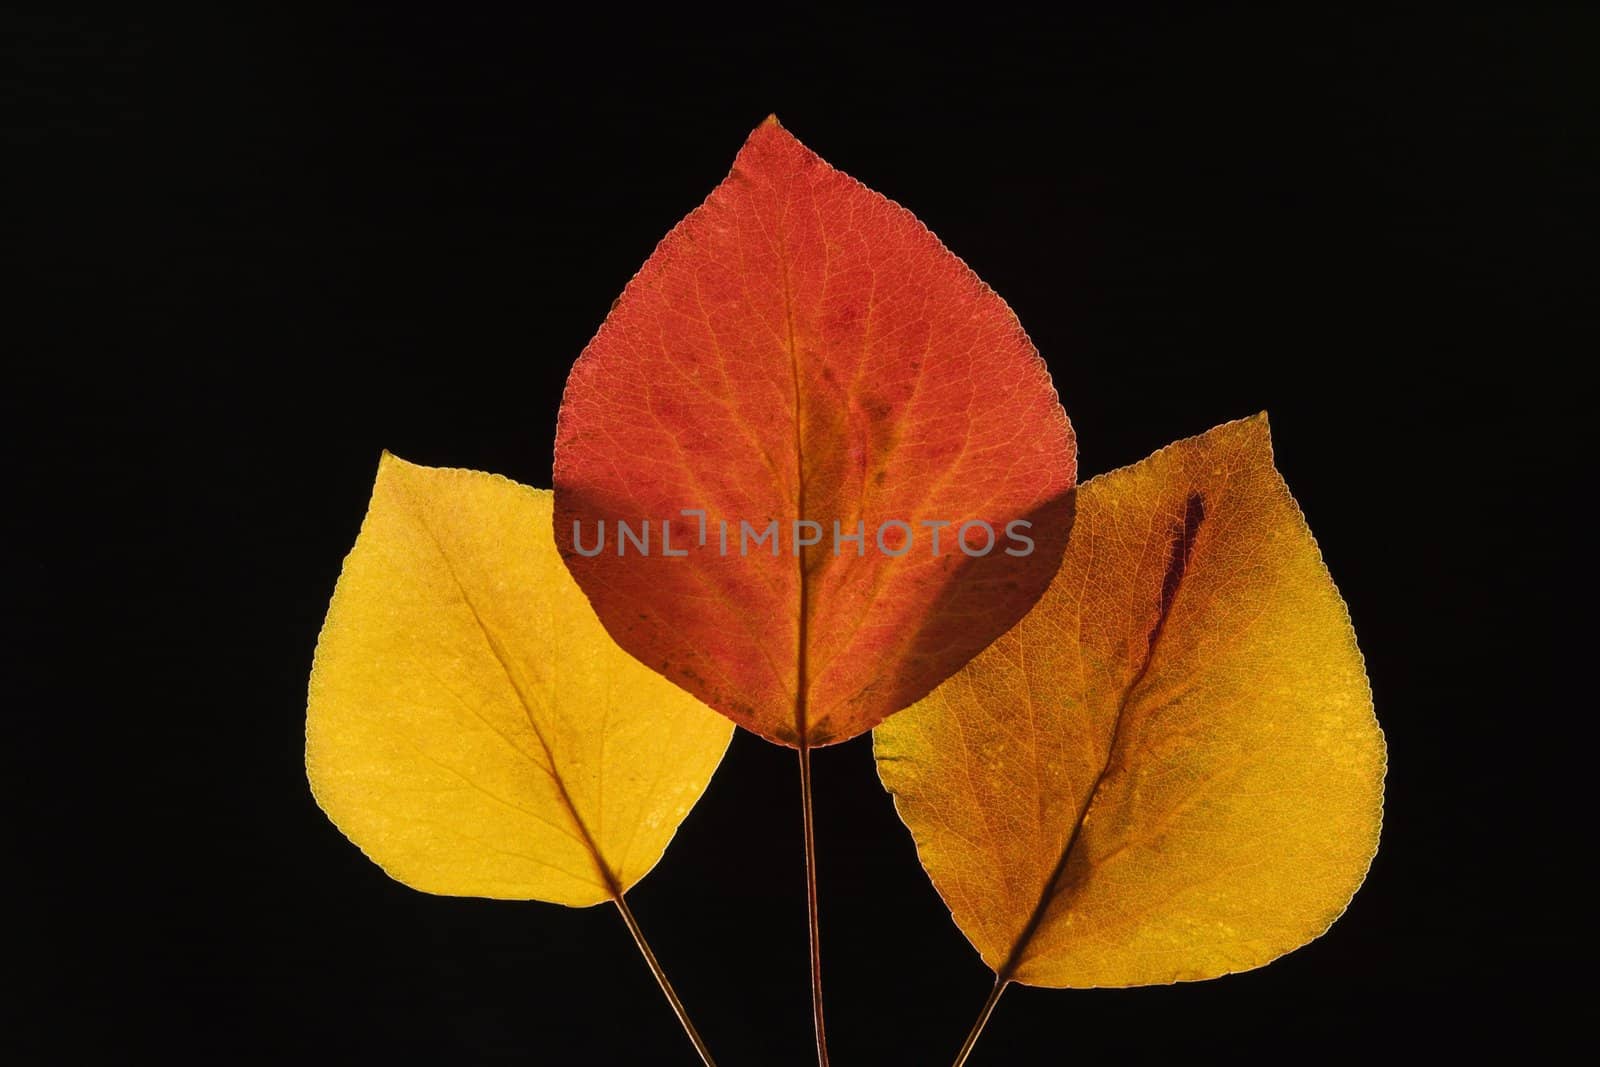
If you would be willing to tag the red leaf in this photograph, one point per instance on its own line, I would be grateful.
(800, 347)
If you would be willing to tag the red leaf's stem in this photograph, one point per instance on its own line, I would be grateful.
(811, 904)
(983, 1017)
(661, 980)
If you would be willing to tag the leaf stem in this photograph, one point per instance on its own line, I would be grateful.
(661, 980)
(811, 903)
(983, 1018)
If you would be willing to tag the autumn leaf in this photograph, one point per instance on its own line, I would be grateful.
(1170, 770)
(802, 359)
(470, 725)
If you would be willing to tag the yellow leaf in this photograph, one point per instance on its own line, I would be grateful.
(1170, 769)
(471, 726)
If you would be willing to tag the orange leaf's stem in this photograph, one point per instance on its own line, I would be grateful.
(661, 979)
(811, 904)
(983, 1017)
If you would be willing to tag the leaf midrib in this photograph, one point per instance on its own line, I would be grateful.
(802, 638)
(608, 878)
(1052, 885)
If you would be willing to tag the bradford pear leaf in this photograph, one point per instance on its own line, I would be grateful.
(470, 724)
(1170, 769)
(801, 402)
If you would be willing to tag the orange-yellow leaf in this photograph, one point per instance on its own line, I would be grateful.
(798, 350)
(1170, 770)
(471, 726)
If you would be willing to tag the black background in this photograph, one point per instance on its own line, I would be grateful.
(263, 248)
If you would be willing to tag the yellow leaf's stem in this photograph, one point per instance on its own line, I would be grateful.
(811, 904)
(661, 979)
(983, 1017)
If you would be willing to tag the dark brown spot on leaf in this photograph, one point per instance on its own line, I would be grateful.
(1180, 549)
